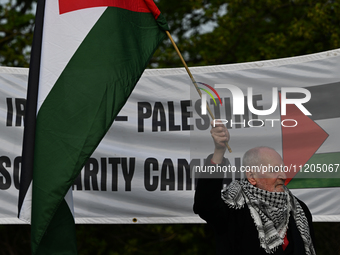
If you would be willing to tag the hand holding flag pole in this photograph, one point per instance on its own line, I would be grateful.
(192, 79)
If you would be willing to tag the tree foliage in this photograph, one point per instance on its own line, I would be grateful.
(167, 239)
(209, 32)
(180, 239)
(248, 30)
(16, 33)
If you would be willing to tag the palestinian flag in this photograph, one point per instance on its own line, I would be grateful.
(312, 143)
(87, 57)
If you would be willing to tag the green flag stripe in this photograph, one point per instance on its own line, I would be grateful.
(322, 170)
(83, 103)
(61, 226)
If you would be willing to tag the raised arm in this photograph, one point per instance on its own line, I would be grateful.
(208, 200)
(220, 136)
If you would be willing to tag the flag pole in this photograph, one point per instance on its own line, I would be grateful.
(192, 79)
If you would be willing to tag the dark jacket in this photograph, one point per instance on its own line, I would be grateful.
(235, 230)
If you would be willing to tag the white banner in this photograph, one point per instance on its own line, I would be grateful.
(140, 173)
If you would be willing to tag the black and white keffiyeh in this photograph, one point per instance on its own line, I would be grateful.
(270, 212)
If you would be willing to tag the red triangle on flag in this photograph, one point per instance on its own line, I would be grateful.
(299, 143)
(132, 5)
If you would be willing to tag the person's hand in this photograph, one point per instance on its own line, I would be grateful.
(220, 135)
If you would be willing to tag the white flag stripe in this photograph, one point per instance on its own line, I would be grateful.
(65, 32)
(26, 208)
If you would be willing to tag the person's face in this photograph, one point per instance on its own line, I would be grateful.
(273, 182)
(270, 180)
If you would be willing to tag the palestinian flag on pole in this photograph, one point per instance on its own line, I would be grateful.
(87, 57)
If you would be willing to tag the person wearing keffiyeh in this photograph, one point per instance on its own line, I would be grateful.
(257, 215)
